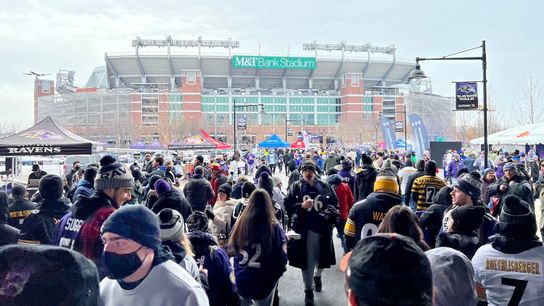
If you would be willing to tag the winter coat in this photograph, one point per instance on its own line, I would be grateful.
(306, 220)
(368, 213)
(180, 256)
(216, 181)
(175, 200)
(453, 168)
(348, 178)
(222, 289)
(364, 182)
(18, 212)
(518, 186)
(40, 225)
(409, 184)
(80, 229)
(464, 243)
(484, 195)
(84, 189)
(198, 191)
(331, 161)
(8, 234)
(221, 224)
(431, 219)
(293, 177)
(343, 193)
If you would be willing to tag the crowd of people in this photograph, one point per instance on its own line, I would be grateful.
(223, 232)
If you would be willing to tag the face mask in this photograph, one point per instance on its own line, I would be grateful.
(119, 266)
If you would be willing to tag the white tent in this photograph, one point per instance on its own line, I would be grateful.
(520, 135)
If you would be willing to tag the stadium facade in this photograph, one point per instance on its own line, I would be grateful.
(166, 95)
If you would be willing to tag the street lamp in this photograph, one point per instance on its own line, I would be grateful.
(234, 107)
(419, 74)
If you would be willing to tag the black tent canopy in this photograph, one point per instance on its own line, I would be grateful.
(46, 137)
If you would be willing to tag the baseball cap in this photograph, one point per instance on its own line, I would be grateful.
(384, 261)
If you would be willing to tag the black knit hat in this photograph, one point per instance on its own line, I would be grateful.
(467, 218)
(46, 275)
(384, 261)
(471, 184)
(247, 189)
(197, 221)
(226, 188)
(516, 219)
(366, 159)
(51, 187)
(135, 222)
(308, 165)
(266, 183)
(443, 196)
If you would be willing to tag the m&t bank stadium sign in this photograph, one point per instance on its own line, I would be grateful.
(273, 62)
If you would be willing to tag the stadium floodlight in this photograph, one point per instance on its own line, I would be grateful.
(343, 46)
(169, 42)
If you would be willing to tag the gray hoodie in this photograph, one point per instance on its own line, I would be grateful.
(453, 278)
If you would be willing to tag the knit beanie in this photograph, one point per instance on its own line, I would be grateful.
(35, 167)
(112, 175)
(334, 179)
(266, 183)
(162, 186)
(135, 222)
(152, 180)
(171, 224)
(487, 171)
(386, 181)
(51, 187)
(468, 218)
(366, 159)
(510, 166)
(225, 188)
(471, 184)
(516, 219)
(197, 221)
(247, 189)
(308, 165)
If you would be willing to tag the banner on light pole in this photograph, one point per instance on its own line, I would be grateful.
(466, 95)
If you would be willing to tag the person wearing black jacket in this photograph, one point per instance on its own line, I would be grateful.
(431, 219)
(461, 234)
(8, 234)
(512, 183)
(198, 190)
(20, 208)
(364, 180)
(39, 226)
(169, 197)
(420, 171)
(312, 208)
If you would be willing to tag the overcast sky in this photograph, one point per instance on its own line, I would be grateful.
(45, 36)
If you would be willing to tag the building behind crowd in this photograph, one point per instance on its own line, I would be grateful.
(335, 92)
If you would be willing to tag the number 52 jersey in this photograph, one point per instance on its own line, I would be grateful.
(510, 279)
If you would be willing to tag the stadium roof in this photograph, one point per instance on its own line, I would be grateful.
(130, 70)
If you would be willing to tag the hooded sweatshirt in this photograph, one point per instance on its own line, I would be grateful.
(39, 226)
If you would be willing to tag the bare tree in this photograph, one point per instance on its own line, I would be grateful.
(530, 108)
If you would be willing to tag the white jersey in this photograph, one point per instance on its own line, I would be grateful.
(510, 279)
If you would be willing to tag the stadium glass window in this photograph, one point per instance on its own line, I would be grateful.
(191, 77)
(308, 100)
(294, 108)
(280, 108)
(308, 108)
(280, 100)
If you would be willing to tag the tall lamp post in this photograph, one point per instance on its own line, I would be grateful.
(234, 107)
(418, 74)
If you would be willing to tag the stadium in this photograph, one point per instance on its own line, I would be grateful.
(165, 90)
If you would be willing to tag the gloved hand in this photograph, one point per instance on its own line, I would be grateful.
(209, 212)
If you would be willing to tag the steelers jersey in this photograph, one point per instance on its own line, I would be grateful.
(510, 279)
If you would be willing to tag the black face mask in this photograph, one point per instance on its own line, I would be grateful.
(119, 266)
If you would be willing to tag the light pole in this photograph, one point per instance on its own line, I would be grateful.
(234, 107)
(405, 128)
(418, 74)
